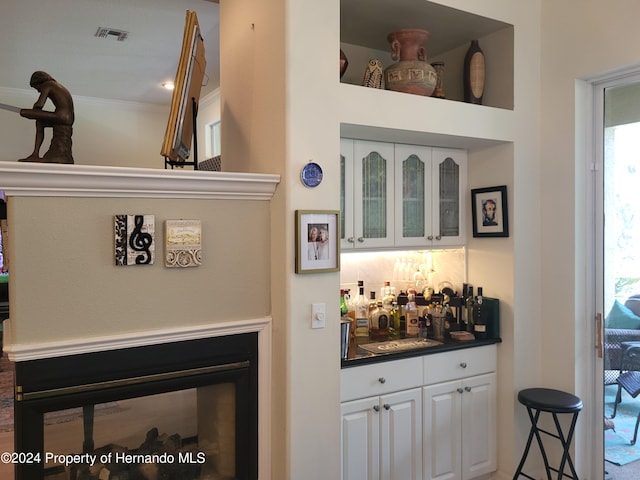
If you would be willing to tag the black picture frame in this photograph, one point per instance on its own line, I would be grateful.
(488, 223)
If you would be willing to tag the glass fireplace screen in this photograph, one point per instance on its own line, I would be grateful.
(182, 435)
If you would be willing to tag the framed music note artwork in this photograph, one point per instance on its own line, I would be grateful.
(134, 239)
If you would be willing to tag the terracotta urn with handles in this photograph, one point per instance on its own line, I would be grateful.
(412, 73)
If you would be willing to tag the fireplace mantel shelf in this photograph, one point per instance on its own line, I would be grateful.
(57, 180)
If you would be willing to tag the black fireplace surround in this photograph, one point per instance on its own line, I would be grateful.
(85, 380)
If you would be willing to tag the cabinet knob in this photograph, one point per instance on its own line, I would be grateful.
(439, 237)
(430, 237)
(386, 406)
(459, 390)
(382, 380)
(467, 389)
(463, 364)
(350, 240)
(376, 408)
(361, 239)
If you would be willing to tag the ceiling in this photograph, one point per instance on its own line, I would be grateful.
(58, 37)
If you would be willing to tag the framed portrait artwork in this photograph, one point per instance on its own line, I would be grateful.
(489, 211)
(317, 241)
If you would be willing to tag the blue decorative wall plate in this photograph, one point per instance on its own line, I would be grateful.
(311, 175)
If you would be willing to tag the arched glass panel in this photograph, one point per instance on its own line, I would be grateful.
(374, 196)
(449, 176)
(413, 197)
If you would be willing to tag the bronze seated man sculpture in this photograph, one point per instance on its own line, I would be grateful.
(60, 120)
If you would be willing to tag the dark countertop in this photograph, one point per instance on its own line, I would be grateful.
(358, 356)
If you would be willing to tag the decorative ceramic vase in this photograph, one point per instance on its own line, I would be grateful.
(474, 74)
(344, 63)
(412, 74)
(439, 90)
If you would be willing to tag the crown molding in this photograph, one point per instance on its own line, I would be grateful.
(21, 179)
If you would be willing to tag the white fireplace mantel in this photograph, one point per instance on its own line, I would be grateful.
(58, 180)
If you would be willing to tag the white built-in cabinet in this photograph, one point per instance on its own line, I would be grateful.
(430, 417)
(398, 195)
(459, 415)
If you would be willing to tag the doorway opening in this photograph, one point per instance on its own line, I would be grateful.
(619, 271)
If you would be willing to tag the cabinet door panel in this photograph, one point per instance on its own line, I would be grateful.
(413, 195)
(373, 194)
(360, 431)
(442, 424)
(401, 436)
(346, 193)
(449, 180)
(479, 423)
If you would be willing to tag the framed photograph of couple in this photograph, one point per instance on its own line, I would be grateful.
(489, 212)
(317, 241)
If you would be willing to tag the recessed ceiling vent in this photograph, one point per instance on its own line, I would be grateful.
(112, 33)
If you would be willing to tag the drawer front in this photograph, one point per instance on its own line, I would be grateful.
(456, 364)
(380, 378)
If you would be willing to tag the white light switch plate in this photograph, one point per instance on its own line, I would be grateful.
(318, 314)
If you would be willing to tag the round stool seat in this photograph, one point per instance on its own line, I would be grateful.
(550, 400)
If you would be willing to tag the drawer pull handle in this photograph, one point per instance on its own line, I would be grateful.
(463, 364)
(376, 408)
(382, 380)
(467, 389)
(460, 390)
(386, 406)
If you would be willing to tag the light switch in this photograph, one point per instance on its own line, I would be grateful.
(318, 313)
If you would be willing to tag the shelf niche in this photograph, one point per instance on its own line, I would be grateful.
(363, 35)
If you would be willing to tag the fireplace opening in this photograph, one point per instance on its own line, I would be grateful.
(184, 410)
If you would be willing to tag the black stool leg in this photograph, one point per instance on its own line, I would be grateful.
(539, 439)
(566, 444)
(533, 432)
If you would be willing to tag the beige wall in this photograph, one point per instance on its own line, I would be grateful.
(65, 284)
(580, 40)
(309, 112)
(283, 113)
(105, 132)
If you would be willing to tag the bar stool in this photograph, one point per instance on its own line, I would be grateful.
(538, 400)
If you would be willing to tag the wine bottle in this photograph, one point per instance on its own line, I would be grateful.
(468, 305)
(479, 317)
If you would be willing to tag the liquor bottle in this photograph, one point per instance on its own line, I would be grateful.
(479, 317)
(411, 314)
(379, 321)
(388, 295)
(372, 300)
(362, 315)
(344, 309)
(403, 326)
(395, 314)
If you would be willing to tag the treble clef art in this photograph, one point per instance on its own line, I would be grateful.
(140, 241)
(134, 239)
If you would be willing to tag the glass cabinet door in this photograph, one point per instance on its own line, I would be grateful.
(346, 193)
(412, 195)
(373, 194)
(449, 172)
